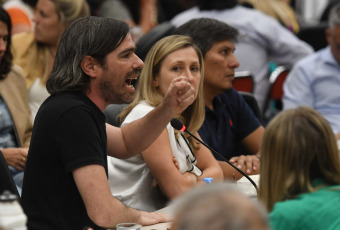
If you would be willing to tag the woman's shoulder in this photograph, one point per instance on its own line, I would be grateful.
(16, 74)
(14, 80)
(139, 111)
(17, 70)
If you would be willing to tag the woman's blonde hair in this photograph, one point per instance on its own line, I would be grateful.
(298, 146)
(277, 9)
(68, 11)
(193, 116)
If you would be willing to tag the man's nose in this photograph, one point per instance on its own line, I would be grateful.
(234, 63)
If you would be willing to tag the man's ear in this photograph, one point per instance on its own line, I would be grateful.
(90, 66)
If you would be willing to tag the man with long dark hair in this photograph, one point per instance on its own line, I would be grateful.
(65, 184)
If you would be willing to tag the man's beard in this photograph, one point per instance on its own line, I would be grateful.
(115, 94)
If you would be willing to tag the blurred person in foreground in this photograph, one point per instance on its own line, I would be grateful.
(229, 122)
(65, 184)
(35, 51)
(218, 206)
(15, 115)
(148, 180)
(314, 81)
(300, 171)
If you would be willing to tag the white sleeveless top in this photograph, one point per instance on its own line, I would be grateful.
(36, 96)
(131, 180)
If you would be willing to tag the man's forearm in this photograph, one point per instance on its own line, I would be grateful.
(138, 135)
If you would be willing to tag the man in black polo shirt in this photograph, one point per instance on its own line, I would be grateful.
(228, 119)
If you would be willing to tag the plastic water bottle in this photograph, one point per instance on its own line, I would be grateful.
(208, 180)
(12, 216)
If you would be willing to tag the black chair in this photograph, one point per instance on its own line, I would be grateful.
(111, 112)
(252, 103)
(6, 179)
(150, 38)
(314, 35)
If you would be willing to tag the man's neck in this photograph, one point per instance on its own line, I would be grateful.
(209, 95)
(96, 98)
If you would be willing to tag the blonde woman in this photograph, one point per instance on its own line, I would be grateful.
(278, 9)
(173, 163)
(35, 51)
(300, 171)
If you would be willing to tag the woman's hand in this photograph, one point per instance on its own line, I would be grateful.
(15, 157)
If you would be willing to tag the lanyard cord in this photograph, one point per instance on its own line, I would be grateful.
(191, 159)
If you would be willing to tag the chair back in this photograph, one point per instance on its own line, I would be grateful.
(150, 38)
(6, 179)
(273, 102)
(276, 80)
(314, 35)
(252, 103)
(111, 112)
(244, 81)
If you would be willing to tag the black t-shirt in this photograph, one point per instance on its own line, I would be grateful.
(69, 132)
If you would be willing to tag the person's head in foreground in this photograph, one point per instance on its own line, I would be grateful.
(218, 206)
(298, 149)
(91, 47)
(171, 57)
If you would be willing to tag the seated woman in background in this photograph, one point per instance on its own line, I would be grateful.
(300, 171)
(34, 51)
(173, 163)
(15, 115)
(278, 9)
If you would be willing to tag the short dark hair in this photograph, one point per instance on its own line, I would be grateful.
(6, 63)
(88, 36)
(207, 31)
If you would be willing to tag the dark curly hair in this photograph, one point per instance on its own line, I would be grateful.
(6, 63)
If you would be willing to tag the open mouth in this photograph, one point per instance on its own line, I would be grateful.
(131, 82)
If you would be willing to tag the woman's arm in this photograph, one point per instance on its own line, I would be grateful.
(207, 163)
(172, 182)
(159, 159)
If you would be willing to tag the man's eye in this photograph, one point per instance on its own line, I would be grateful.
(126, 55)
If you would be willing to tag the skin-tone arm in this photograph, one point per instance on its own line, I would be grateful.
(102, 208)
(136, 136)
(91, 180)
(250, 164)
(15, 157)
(159, 158)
